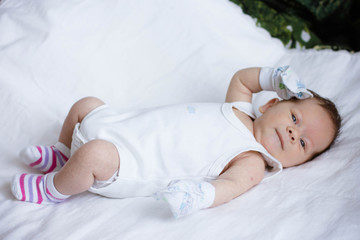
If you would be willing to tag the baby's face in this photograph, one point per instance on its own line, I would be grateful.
(293, 132)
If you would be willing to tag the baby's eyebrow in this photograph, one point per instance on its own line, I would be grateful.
(299, 115)
(309, 143)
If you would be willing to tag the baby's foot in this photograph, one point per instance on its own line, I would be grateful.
(36, 188)
(46, 158)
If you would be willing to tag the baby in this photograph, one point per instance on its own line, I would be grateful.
(192, 156)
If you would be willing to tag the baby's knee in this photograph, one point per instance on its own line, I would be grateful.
(89, 102)
(86, 105)
(101, 156)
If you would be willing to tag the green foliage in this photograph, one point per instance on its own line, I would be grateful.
(308, 23)
(289, 28)
(323, 9)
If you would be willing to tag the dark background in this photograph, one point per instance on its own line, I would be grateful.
(331, 23)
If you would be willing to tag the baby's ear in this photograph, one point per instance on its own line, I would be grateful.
(268, 105)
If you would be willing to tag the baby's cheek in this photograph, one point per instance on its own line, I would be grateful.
(272, 145)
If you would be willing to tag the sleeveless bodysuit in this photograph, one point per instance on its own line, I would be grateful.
(156, 146)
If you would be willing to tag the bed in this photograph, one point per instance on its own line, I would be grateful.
(137, 54)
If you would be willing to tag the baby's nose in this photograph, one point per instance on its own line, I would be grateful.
(293, 134)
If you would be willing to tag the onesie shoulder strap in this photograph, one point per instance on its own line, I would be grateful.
(244, 107)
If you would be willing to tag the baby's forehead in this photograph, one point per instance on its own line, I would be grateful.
(315, 121)
(309, 108)
(304, 103)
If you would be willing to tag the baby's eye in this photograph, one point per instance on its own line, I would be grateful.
(302, 143)
(293, 118)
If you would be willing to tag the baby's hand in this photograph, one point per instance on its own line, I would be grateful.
(284, 81)
(186, 196)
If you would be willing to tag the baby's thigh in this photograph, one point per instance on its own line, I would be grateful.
(101, 157)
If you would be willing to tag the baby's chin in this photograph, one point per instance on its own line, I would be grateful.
(271, 145)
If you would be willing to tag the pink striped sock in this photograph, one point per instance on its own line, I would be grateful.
(46, 158)
(36, 188)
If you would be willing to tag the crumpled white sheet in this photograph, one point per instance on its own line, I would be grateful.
(143, 53)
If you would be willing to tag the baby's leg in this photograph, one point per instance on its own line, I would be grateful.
(76, 114)
(97, 159)
(52, 158)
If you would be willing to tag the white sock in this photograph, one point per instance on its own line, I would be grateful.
(36, 188)
(46, 158)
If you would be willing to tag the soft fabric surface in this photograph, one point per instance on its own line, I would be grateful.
(143, 53)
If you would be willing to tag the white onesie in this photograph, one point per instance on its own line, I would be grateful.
(185, 141)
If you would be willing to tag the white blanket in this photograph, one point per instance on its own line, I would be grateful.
(143, 53)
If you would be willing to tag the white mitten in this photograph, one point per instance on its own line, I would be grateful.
(185, 196)
(284, 81)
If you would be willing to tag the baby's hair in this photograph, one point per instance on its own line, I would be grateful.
(331, 109)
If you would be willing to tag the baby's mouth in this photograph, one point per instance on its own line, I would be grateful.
(280, 138)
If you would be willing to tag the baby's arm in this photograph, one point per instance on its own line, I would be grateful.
(187, 196)
(283, 80)
(243, 174)
(243, 84)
